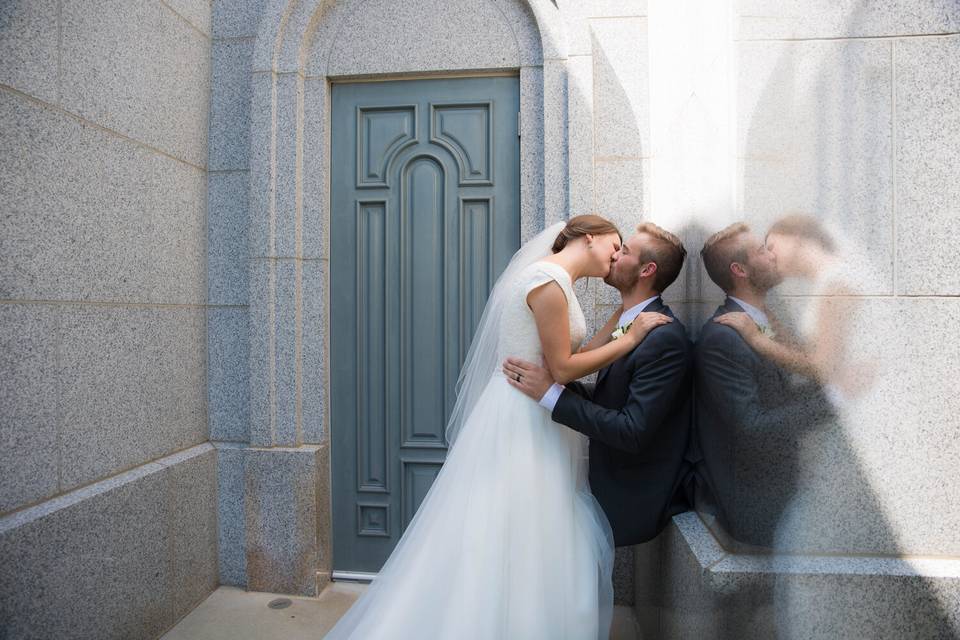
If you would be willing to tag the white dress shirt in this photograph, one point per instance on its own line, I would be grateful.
(550, 398)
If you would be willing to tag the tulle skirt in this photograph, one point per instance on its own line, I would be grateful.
(509, 543)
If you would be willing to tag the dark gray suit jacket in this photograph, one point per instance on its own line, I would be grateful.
(749, 422)
(638, 419)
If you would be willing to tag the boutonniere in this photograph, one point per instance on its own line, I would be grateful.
(767, 330)
(621, 330)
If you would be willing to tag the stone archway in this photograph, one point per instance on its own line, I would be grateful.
(301, 45)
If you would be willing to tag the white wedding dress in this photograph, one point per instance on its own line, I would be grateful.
(509, 543)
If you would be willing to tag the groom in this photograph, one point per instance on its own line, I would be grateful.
(638, 414)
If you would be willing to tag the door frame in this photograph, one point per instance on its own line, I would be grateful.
(288, 208)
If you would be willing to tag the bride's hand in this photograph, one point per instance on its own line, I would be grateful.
(645, 323)
(742, 323)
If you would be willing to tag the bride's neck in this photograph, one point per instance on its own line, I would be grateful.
(572, 263)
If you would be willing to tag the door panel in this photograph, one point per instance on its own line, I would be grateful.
(425, 214)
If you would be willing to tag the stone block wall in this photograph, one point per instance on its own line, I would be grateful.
(852, 116)
(608, 147)
(271, 473)
(164, 273)
(608, 125)
(107, 482)
(233, 31)
(848, 112)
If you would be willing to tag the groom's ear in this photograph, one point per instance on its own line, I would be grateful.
(648, 269)
(737, 270)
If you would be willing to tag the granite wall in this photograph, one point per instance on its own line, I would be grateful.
(107, 481)
(843, 110)
(272, 472)
(848, 112)
(608, 148)
(164, 385)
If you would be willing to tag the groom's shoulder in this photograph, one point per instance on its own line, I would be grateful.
(714, 336)
(672, 334)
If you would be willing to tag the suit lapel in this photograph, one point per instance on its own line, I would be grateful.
(729, 306)
(656, 305)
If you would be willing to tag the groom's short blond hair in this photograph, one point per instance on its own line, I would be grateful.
(723, 249)
(666, 251)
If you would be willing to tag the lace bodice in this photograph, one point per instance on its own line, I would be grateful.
(518, 330)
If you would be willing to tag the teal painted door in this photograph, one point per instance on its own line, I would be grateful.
(425, 214)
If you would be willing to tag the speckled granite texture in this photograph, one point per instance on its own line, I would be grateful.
(702, 591)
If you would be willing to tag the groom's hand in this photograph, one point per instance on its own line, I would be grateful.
(531, 379)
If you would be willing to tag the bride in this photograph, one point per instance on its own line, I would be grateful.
(509, 542)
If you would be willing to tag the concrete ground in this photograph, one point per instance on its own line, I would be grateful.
(234, 614)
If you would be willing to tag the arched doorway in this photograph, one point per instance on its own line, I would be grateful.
(303, 49)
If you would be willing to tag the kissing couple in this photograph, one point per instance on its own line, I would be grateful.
(516, 536)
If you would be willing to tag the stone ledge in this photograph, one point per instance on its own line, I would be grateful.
(702, 590)
(70, 498)
(716, 560)
(124, 557)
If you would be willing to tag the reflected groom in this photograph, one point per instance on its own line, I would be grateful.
(637, 415)
(750, 415)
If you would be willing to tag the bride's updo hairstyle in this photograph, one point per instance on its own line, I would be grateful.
(579, 226)
(805, 227)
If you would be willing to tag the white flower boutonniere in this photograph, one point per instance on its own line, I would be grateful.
(767, 330)
(621, 330)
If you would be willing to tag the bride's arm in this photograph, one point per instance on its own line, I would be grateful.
(788, 357)
(603, 336)
(819, 361)
(834, 315)
(549, 306)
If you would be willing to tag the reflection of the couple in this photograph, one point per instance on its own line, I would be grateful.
(751, 414)
(776, 467)
(784, 386)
